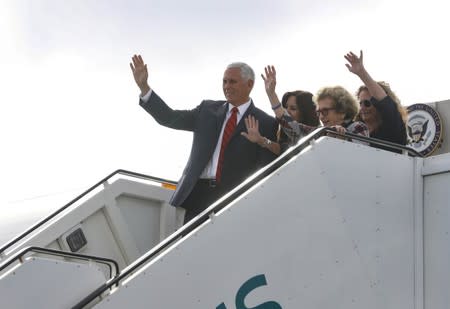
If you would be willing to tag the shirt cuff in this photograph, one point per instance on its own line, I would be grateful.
(146, 96)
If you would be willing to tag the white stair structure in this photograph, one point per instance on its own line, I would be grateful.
(35, 277)
(329, 224)
(322, 230)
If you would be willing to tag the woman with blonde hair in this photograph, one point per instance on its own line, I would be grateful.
(380, 110)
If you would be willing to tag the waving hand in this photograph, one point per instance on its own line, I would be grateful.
(140, 73)
(355, 64)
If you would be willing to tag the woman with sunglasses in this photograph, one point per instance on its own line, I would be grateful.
(337, 109)
(380, 110)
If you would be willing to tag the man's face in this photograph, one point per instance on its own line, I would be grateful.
(235, 88)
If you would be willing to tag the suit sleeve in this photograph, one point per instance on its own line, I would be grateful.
(164, 115)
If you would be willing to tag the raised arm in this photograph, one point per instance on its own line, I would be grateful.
(356, 66)
(140, 74)
(270, 82)
(155, 105)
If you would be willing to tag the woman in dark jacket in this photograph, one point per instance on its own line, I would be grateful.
(380, 109)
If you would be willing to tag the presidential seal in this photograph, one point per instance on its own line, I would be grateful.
(424, 129)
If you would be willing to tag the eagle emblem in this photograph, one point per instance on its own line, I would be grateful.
(424, 128)
(417, 131)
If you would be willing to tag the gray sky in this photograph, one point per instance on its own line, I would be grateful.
(70, 112)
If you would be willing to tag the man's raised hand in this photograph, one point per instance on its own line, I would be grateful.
(140, 73)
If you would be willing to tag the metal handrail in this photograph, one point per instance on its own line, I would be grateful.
(379, 142)
(229, 197)
(101, 260)
(57, 212)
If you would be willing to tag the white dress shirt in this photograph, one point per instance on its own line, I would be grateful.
(211, 167)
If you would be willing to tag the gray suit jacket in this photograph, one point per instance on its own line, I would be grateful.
(241, 157)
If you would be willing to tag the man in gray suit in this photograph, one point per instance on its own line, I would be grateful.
(221, 157)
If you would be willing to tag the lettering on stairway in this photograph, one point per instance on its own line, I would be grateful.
(245, 289)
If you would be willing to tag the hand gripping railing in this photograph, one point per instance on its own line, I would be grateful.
(19, 256)
(232, 195)
(60, 210)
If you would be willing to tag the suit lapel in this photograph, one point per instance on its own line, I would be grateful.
(220, 118)
(212, 136)
(241, 125)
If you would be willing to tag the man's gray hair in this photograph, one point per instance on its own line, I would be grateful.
(246, 71)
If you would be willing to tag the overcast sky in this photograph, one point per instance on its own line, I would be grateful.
(70, 112)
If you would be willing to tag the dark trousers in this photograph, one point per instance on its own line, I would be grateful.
(205, 193)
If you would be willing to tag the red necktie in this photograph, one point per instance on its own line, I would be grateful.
(227, 132)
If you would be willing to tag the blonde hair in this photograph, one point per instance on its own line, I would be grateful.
(344, 101)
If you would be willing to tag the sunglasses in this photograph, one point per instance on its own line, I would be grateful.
(366, 103)
(324, 111)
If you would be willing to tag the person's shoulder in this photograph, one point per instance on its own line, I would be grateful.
(357, 123)
(259, 113)
(358, 127)
(212, 103)
(387, 101)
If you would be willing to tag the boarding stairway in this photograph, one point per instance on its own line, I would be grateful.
(330, 223)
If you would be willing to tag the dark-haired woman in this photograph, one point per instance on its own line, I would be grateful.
(300, 107)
